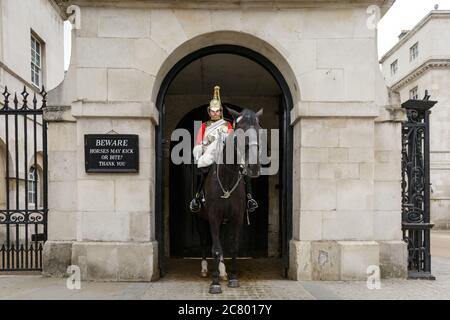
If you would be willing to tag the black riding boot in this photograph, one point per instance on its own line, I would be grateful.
(252, 205)
(195, 204)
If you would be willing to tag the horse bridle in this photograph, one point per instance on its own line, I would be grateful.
(242, 172)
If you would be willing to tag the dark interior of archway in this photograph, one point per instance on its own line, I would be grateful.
(184, 240)
(244, 84)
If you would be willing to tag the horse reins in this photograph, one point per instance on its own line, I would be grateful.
(226, 193)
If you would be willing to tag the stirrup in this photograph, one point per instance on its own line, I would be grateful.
(194, 206)
(252, 205)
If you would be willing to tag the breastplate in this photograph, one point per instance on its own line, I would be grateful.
(213, 135)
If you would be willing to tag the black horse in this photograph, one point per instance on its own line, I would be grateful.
(225, 194)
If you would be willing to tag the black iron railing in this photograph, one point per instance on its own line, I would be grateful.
(416, 224)
(23, 197)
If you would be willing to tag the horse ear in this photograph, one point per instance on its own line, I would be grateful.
(233, 113)
(259, 113)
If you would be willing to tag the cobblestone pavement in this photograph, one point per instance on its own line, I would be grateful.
(190, 286)
(260, 279)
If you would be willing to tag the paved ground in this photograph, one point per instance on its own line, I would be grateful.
(182, 282)
(440, 243)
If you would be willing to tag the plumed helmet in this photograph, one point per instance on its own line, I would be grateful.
(215, 104)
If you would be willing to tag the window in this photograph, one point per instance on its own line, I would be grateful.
(33, 184)
(414, 52)
(394, 67)
(36, 61)
(414, 93)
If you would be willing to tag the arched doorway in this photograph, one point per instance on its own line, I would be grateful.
(283, 183)
(183, 236)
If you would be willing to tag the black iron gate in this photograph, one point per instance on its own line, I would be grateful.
(416, 224)
(23, 198)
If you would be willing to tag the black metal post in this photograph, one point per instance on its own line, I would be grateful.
(416, 224)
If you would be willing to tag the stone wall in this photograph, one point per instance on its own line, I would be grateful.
(327, 56)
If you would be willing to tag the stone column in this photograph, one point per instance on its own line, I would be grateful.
(62, 185)
(103, 223)
(336, 218)
(387, 204)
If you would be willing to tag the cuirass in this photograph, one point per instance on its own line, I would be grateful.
(213, 135)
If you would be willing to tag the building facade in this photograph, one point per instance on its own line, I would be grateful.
(31, 57)
(145, 68)
(420, 61)
(31, 45)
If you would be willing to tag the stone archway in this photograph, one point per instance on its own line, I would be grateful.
(287, 140)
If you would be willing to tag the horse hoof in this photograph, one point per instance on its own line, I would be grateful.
(224, 278)
(204, 274)
(233, 283)
(215, 289)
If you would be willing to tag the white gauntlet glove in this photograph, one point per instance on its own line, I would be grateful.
(198, 150)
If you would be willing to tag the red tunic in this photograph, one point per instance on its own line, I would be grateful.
(201, 132)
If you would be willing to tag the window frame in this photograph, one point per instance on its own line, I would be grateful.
(33, 181)
(414, 52)
(394, 67)
(36, 62)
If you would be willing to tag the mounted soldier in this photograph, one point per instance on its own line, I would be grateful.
(210, 134)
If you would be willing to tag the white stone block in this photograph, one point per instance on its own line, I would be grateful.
(318, 195)
(340, 225)
(387, 196)
(338, 155)
(363, 155)
(332, 85)
(166, 30)
(388, 166)
(105, 226)
(149, 56)
(314, 155)
(132, 195)
(62, 225)
(140, 226)
(89, 23)
(316, 134)
(354, 195)
(62, 195)
(388, 136)
(104, 53)
(356, 257)
(61, 136)
(124, 23)
(287, 28)
(328, 24)
(194, 22)
(367, 171)
(309, 171)
(129, 85)
(91, 84)
(96, 195)
(300, 267)
(303, 56)
(336, 171)
(310, 226)
(357, 134)
(226, 20)
(387, 225)
(345, 53)
(62, 165)
(256, 22)
(358, 90)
